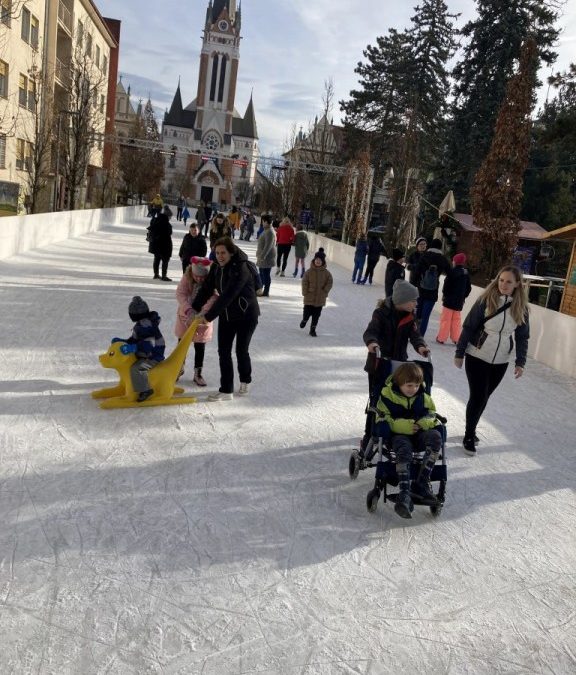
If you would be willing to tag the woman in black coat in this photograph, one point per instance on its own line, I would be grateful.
(237, 310)
(192, 244)
(160, 238)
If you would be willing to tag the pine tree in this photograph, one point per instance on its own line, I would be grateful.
(497, 190)
(493, 43)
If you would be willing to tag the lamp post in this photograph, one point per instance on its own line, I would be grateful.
(57, 170)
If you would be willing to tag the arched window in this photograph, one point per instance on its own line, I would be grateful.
(214, 77)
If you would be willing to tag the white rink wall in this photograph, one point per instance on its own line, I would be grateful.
(552, 335)
(19, 234)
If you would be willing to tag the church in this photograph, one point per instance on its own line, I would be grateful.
(219, 165)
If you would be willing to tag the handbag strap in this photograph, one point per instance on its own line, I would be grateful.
(498, 311)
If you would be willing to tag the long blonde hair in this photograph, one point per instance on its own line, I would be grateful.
(519, 306)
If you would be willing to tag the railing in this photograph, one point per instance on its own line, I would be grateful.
(65, 16)
(62, 73)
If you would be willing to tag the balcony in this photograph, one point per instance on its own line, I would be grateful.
(62, 73)
(65, 17)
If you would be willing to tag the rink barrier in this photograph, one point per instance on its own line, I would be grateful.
(19, 234)
(552, 335)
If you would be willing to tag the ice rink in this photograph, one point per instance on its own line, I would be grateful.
(227, 538)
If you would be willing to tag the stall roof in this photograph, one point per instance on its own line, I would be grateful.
(568, 232)
(528, 229)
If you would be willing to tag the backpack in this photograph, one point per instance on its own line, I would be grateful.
(429, 281)
(255, 275)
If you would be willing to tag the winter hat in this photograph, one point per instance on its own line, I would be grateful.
(397, 254)
(200, 266)
(403, 291)
(138, 309)
(459, 259)
(421, 239)
(436, 243)
(321, 255)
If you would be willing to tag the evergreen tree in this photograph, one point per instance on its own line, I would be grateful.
(497, 190)
(493, 43)
(550, 186)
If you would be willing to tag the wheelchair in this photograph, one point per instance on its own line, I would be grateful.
(378, 452)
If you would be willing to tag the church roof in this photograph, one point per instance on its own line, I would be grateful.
(245, 126)
(217, 8)
(177, 116)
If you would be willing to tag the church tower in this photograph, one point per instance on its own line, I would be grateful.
(226, 142)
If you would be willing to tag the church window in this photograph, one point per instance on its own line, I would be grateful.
(214, 77)
(222, 81)
(211, 142)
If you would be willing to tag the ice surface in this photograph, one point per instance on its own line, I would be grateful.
(227, 537)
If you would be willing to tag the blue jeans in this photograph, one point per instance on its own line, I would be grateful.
(358, 267)
(423, 310)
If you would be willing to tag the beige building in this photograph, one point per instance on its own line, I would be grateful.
(55, 60)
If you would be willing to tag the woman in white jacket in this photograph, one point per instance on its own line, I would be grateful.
(497, 322)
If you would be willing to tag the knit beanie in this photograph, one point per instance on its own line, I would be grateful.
(200, 266)
(397, 254)
(459, 259)
(137, 309)
(403, 291)
(436, 243)
(321, 255)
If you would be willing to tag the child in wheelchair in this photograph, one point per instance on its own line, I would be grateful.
(406, 419)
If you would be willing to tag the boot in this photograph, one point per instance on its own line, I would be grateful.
(422, 491)
(313, 331)
(404, 505)
(144, 395)
(198, 379)
(469, 445)
(295, 273)
(302, 273)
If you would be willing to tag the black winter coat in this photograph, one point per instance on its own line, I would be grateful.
(432, 256)
(392, 329)
(235, 285)
(412, 266)
(160, 236)
(375, 249)
(193, 246)
(394, 271)
(456, 288)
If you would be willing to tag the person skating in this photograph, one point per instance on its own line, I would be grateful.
(316, 285)
(456, 289)
(192, 244)
(394, 270)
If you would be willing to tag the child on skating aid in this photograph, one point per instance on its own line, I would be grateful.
(146, 342)
(186, 292)
(405, 413)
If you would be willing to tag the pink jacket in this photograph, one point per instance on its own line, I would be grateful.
(185, 294)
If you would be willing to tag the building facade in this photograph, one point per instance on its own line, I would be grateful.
(53, 53)
(211, 150)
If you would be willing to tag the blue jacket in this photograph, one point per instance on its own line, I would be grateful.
(148, 339)
(361, 249)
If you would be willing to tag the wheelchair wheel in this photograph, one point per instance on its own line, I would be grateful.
(372, 499)
(436, 510)
(354, 465)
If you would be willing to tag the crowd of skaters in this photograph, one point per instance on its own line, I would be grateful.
(218, 282)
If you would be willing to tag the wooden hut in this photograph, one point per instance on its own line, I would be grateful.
(568, 233)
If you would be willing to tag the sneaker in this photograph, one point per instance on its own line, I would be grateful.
(244, 389)
(199, 380)
(404, 505)
(144, 395)
(469, 446)
(282, 273)
(422, 491)
(166, 279)
(277, 271)
(313, 332)
(259, 292)
(220, 396)
(302, 324)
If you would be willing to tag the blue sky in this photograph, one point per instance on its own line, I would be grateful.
(289, 49)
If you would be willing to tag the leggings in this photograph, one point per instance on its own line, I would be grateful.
(483, 378)
(282, 256)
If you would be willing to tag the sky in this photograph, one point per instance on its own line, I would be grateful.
(289, 50)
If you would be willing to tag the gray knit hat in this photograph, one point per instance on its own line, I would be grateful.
(403, 291)
(137, 309)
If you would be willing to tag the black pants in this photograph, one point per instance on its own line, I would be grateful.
(311, 311)
(370, 267)
(241, 330)
(156, 264)
(179, 213)
(483, 378)
(282, 256)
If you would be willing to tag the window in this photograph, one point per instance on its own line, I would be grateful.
(80, 34)
(2, 151)
(88, 44)
(30, 28)
(31, 95)
(6, 12)
(97, 57)
(3, 79)
(104, 63)
(23, 90)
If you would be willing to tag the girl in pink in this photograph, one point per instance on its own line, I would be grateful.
(186, 291)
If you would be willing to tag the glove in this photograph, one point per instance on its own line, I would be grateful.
(128, 349)
(117, 340)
